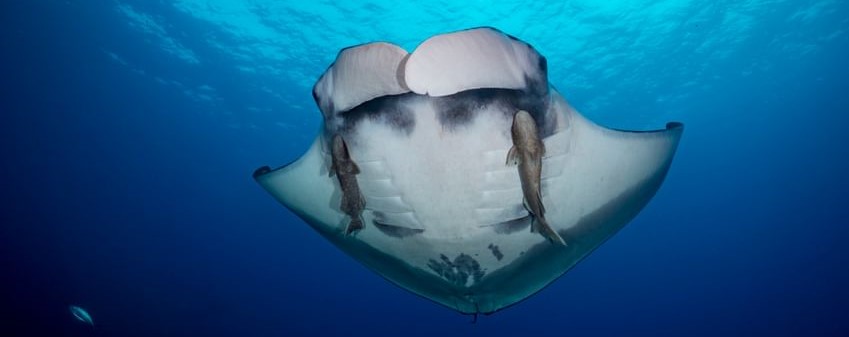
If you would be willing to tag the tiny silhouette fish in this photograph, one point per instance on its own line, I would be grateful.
(81, 314)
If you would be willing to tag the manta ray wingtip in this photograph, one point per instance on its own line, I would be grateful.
(674, 125)
(261, 171)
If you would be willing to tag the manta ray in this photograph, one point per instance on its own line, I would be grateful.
(459, 173)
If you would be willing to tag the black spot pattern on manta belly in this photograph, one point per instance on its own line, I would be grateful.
(389, 110)
(457, 110)
(496, 251)
(458, 271)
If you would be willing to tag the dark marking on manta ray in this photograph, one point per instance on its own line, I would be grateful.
(536, 86)
(513, 226)
(396, 231)
(315, 98)
(393, 230)
(495, 251)
(543, 64)
(458, 271)
(389, 110)
(457, 110)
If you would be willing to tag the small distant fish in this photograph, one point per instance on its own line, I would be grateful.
(81, 315)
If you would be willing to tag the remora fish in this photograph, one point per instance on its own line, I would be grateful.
(527, 152)
(346, 172)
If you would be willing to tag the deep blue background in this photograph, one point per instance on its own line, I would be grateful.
(133, 198)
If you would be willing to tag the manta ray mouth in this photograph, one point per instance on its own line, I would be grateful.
(441, 66)
(458, 173)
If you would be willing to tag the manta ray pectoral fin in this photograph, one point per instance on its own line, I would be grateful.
(289, 183)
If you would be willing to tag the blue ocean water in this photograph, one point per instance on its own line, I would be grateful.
(129, 131)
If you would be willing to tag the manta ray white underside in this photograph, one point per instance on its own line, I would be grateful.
(423, 144)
